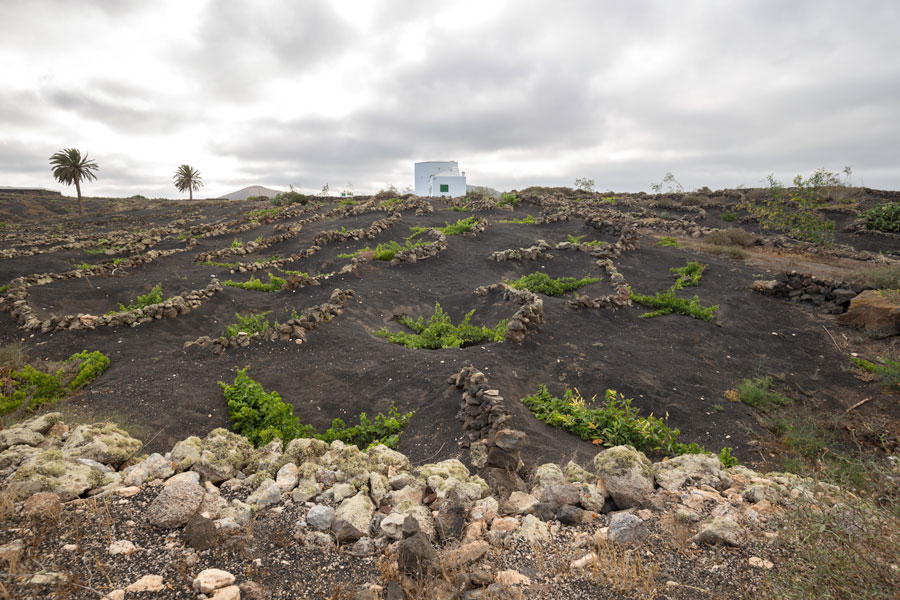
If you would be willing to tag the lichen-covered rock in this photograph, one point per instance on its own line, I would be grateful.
(19, 436)
(720, 530)
(268, 458)
(349, 463)
(186, 453)
(627, 474)
(378, 487)
(445, 470)
(593, 497)
(302, 450)
(287, 477)
(691, 469)
(757, 492)
(15, 455)
(547, 475)
(382, 457)
(353, 518)
(51, 471)
(625, 528)
(267, 494)
(41, 424)
(575, 473)
(154, 466)
(223, 454)
(103, 442)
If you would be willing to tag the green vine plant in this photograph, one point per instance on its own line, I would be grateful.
(34, 388)
(668, 242)
(665, 303)
(541, 283)
(256, 285)
(262, 416)
(249, 324)
(579, 239)
(440, 332)
(616, 422)
(386, 251)
(461, 226)
(154, 296)
(528, 220)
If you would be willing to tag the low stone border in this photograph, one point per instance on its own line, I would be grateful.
(170, 308)
(294, 329)
(529, 315)
(480, 408)
(414, 255)
(538, 251)
(832, 296)
(620, 298)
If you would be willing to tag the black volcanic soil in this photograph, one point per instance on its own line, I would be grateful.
(671, 365)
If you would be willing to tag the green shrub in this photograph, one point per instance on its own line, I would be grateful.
(615, 423)
(288, 198)
(255, 284)
(154, 296)
(757, 392)
(462, 208)
(889, 371)
(541, 283)
(236, 243)
(37, 388)
(508, 200)
(262, 416)
(220, 265)
(884, 217)
(4, 288)
(263, 212)
(668, 242)
(528, 220)
(440, 332)
(386, 251)
(729, 216)
(248, 324)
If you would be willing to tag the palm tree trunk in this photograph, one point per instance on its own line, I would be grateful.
(191, 194)
(80, 201)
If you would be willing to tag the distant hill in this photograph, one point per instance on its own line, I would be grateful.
(252, 190)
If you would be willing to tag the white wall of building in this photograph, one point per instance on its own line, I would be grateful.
(448, 185)
(425, 173)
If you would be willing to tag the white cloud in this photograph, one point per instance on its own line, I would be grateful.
(521, 93)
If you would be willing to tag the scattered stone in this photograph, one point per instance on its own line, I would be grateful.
(202, 533)
(416, 556)
(512, 577)
(760, 563)
(209, 580)
(519, 503)
(465, 554)
(510, 440)
(692, 469)
(232, 592)
(625, 528)
(175, 504)
(874, 312)
(154, 467)
(534, 530)
(147, 583)
(43, 506)
(121, 547)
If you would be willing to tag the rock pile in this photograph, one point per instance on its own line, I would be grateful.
(539, 251)
(480, 407)
(528, 316)
(832, 296)
(427, 520)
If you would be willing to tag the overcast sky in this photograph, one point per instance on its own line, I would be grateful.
(520, 92)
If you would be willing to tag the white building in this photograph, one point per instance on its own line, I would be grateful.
(440, 178)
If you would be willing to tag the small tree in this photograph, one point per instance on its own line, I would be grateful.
(69, 167)
(585, 185)
(669, 183)
(187, 178)
(795, 211)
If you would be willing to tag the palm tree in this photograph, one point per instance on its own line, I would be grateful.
(70, 167)
(187, 178)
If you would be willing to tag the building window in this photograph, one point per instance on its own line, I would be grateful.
(445, 187)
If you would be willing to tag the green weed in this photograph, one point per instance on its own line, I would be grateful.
(668, 242)
(889, 372)
(579, 239)
(508, 200)
(757, 392)
(35, 388)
